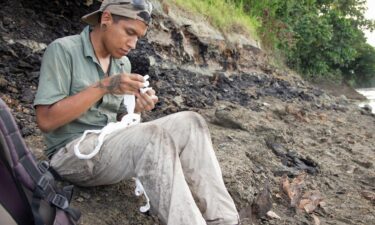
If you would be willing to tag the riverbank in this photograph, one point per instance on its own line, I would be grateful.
(339, 89)
(369, 93)
(266, 124)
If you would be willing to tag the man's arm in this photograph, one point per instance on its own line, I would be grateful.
(51, 117)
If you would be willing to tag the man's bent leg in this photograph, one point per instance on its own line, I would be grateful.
(145, 151)
(200, 166)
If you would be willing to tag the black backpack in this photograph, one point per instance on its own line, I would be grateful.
(28, 191)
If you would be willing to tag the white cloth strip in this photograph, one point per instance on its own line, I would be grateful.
(129, 119)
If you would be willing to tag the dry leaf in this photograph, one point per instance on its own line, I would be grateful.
(310, 201)
(293, 190)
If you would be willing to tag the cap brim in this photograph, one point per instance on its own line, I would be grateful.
(91, 18)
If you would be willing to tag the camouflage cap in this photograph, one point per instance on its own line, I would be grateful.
(133, 9)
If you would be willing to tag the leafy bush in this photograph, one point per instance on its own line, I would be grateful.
(319, 38)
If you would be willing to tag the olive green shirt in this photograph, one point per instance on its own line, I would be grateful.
(69, 66)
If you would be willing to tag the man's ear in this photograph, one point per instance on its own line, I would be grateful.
(106, 18)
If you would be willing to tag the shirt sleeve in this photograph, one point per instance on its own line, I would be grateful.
(55, 75)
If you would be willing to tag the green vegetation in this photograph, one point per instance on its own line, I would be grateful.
(318, 38)
(223, 14)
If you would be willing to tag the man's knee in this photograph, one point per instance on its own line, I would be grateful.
(193, 118)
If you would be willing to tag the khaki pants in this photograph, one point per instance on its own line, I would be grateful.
(175, 161)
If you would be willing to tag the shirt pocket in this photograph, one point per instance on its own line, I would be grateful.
(82, 78)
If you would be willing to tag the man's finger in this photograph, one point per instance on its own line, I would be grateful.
(155, 99)
(128, 88)
(142, 104)
(151, 92)
(127, 92)
(148, 99)
(136, 77)
(134, 84)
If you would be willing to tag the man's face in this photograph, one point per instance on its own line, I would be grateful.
(120, 37)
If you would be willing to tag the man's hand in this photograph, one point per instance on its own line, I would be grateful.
(122, 84)
(51, 117)
(146, 101)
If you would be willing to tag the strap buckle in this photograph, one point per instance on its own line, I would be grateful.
(43, 183)
(60, 201)
(43, 166)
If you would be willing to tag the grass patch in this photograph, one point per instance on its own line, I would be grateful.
(223, 14)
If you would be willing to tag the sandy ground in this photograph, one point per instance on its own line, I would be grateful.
(340, 145)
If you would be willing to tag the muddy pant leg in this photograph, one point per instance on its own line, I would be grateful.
(145, 151)
(200, 166)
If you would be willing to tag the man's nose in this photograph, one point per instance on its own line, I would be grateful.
(132, 43)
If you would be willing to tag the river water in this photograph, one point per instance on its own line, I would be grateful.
(369, 93)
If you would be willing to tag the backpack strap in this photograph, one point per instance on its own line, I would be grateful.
(36, 178)
(13, 199)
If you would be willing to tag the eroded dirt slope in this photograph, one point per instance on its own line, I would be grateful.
(265, 123)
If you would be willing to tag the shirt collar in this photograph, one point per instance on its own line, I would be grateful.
(88, 49)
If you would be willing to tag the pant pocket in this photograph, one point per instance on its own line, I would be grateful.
(72, 169)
